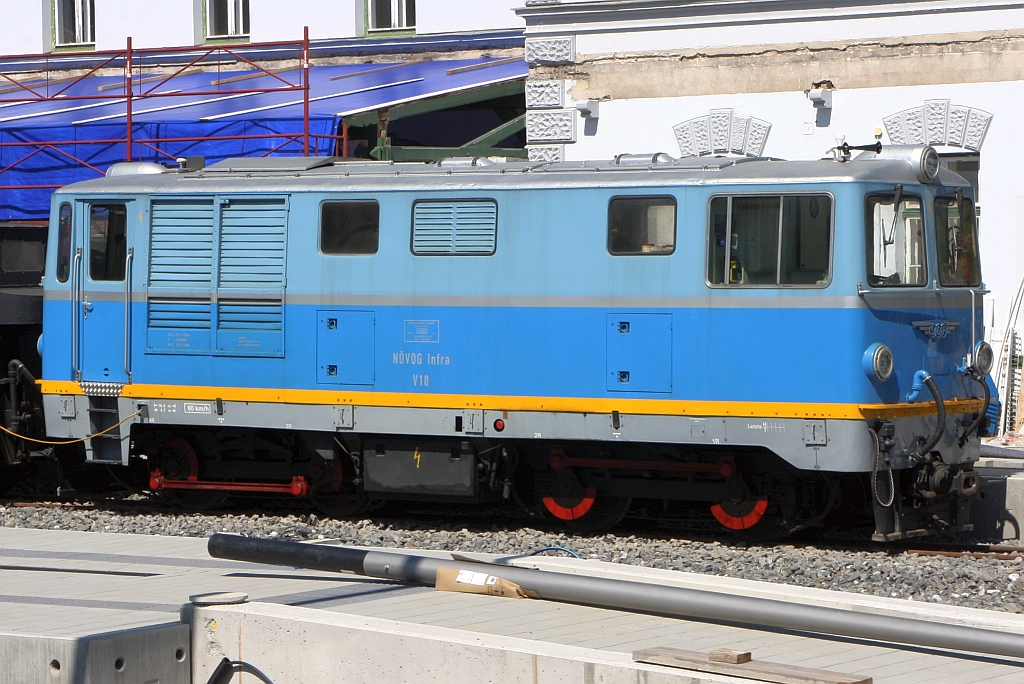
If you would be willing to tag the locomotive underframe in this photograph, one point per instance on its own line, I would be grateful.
(440, 454)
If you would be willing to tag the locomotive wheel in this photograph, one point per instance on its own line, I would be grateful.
(752, 519)
(584, 512)
(180, 462)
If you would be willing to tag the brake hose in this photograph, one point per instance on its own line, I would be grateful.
(973, 375)
(940, 425)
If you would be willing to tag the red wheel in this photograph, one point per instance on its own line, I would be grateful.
(740, 515)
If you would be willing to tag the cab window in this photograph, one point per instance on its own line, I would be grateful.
(956, 238)
(64, 243)
(895, 242)
(108, 233)
(770, 240)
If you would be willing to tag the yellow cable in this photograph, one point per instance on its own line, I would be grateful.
(70, 441)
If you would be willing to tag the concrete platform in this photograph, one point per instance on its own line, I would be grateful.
(99, 602)
(998, 510)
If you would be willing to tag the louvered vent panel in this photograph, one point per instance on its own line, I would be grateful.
(179, 313)
(250, 315)
(181, 245)
(454, 227)
(252, 245)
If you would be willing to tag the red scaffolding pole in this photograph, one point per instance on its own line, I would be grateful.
(139, 87)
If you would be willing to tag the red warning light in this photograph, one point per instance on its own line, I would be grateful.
(499, 425)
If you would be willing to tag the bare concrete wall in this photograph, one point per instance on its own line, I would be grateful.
(921, 60)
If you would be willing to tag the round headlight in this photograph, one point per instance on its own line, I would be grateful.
(984, 357)
(926, 163)
(878, 363)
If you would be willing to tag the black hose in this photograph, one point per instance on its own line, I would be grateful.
(940, 425)
(984, 410)
(16, 368)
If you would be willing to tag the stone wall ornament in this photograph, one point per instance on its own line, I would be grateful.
(938, 122)
(546, 153)
(545, 94)
(557, 125)
(722, 132)
(551, 50)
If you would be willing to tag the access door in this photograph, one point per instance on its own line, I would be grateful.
(102, 296)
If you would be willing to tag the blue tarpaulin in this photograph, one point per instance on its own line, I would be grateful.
(62, 131)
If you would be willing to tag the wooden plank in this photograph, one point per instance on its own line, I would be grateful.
(149, 79)
(758, 670)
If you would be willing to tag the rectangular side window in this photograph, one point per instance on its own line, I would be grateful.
(460, 227)
(76, 24)
(641, 225)
(64, 243)
(349, 227)
(108, 233)
(226, 18)
(895, 242)
(957, 239)
(765, 240)
(806, 238)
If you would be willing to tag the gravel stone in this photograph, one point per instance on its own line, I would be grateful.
(973, 582)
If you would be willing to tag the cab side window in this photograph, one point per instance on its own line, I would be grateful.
(108, 233)
(64, 243)
(956, 238)
(349, 227)
(770, 240)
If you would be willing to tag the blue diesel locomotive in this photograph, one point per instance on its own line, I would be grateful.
(783, 343)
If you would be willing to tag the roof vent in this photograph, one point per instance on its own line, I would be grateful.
(134, 169)
(655, 158)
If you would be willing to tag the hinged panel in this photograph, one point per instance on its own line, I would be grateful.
(814, 433)
(345, 347)
(639, 352)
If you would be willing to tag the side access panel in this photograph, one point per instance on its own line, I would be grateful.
(345, 348)
(639, 352)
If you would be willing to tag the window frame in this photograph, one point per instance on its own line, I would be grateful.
(869, 247)
(241, 7)
(61, 243)
(675, 225)
(320, 227)
(395, 5)
(453, 200)
(939, 245)
(87, 261)
(82, 25)
(773, 286)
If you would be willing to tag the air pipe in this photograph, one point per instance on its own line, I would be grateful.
(923, 378)
(639, 597)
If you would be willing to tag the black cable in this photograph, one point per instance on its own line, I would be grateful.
(940, 425)
(227, 668)
(973, 375)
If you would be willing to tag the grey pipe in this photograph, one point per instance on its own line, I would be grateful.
(639, 597)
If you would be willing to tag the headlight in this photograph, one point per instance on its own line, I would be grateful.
(984, 358)
(926, 163)
(878, 363)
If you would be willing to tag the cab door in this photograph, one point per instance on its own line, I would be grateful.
(103, 294)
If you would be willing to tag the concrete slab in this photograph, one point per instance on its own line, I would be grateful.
(74, 590)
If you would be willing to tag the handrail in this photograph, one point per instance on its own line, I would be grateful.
(128, 313)
(75, 301)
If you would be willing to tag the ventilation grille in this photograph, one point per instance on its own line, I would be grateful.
(252, 236)
(454, 227)
(181, 245)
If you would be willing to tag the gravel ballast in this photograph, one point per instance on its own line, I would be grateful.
(963, 581)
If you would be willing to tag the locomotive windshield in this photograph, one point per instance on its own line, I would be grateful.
(957, 240)
(896, 253)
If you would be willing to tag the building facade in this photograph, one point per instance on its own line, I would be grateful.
(784, 79)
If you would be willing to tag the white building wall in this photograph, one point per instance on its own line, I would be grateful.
(24, 27)
(274, 20)
(460, 16)
(168, 23)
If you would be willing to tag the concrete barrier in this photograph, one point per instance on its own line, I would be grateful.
(293, 645)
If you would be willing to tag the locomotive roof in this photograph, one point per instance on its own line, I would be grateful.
(329, 174)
